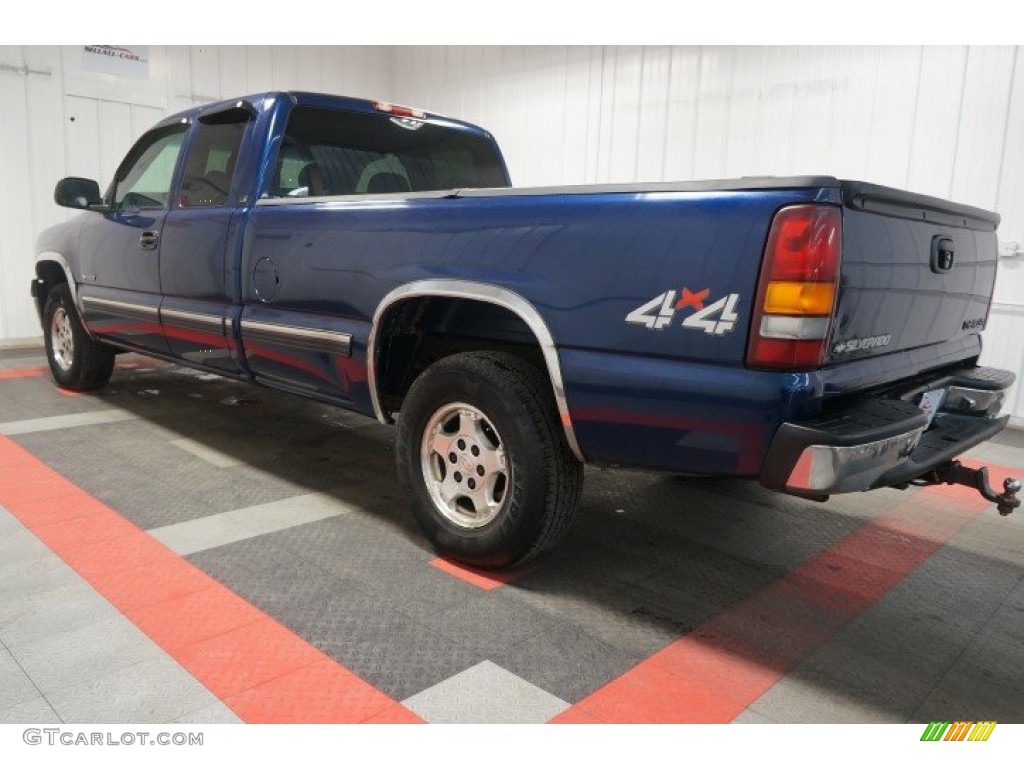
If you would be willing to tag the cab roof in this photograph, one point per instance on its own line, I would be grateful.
(263, 101)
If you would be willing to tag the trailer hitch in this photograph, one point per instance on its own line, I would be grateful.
(955, 473)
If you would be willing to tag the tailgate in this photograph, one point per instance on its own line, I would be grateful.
(916, 271)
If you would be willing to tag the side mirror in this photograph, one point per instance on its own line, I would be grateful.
(74, 192)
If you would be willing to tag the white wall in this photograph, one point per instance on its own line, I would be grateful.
(942, 121)
(60, 120)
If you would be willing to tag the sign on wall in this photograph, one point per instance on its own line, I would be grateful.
(121, 60)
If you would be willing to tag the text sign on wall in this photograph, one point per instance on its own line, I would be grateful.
(121, 60)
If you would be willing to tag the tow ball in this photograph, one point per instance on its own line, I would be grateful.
(955, 473)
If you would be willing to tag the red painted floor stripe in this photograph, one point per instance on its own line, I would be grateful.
(712, 674)
(258, 667)
(21, 373)
(486, 580)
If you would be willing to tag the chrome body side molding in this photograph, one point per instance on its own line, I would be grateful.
(331, 342)
(121, 308)
(196, 321)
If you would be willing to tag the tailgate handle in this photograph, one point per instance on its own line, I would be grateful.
(943, 254)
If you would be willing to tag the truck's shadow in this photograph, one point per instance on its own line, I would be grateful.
(649, 559)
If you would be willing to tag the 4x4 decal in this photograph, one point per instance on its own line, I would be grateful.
(717, 318)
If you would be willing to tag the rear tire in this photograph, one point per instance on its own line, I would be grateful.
(77, 361)
(484, 458)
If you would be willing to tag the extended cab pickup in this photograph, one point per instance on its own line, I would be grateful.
(819, 335)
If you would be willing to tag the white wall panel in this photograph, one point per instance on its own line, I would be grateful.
(61, 120)
(45, 118)
(982, 116)
(233, 70)
(714, 96)
(937, 119)
(13, 146)
(892, 116)
(115, 137)
(742, 135)
(681, 126)
(852, 111)
(655, 79)
(82, 138)
(943, 121)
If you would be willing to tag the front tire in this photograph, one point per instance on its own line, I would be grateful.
(484, 458)
(77, 361)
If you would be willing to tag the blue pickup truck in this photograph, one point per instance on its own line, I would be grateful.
(819, 335)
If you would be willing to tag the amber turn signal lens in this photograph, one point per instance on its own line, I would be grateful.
(792, 298)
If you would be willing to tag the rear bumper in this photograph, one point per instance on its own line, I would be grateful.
(886, 440)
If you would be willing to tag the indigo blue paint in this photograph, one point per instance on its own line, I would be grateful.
(674, 399)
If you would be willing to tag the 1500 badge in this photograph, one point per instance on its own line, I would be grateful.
(717, 318)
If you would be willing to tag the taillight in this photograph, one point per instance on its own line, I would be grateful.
(796, 294)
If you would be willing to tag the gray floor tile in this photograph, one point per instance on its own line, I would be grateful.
(206, 453)
(623, 617)
(389, 650)
(201, 533)
(215, 714)
(82, 654)
(24, 360)
(1007, 623)
(872, 674)
(36, 617)
(19, 546)
(68, 421)
(750, 717)
(805, 699)
(16, 686)
(485, 693)
(992, 659)
(565, 662)
(339, 616)
(153, 691)
(649, 558)
(964, 697)
(9, 523)
(34, 711)
(287, 513)
(388, 565)
(20, 582)
(490, 623)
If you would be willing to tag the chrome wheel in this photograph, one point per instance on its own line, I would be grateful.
(62, 340)
(465, 466)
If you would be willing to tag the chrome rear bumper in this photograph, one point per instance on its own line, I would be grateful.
(886, 440)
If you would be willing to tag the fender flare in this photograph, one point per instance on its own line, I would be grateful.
(58, 258)
(492, 294)
(69, 276)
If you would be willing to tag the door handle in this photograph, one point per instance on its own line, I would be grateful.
(149, 239)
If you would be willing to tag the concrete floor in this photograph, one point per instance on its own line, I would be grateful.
(679, 600)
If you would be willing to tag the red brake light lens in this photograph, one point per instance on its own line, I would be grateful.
(804, 243)
(797, 288)
(399, 111)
